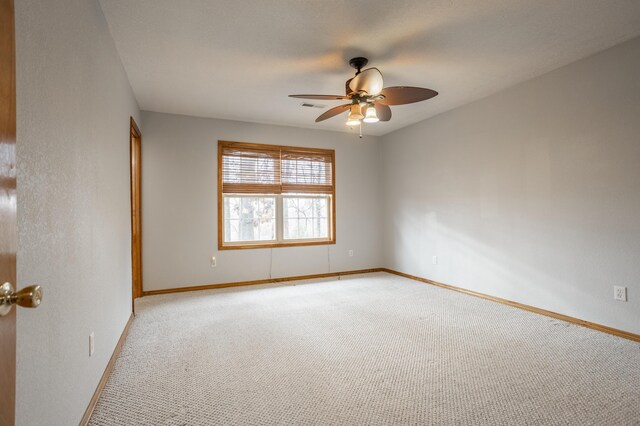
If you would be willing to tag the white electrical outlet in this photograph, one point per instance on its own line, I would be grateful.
(620, 293)
(214, 263)
(434, 260)
(350, 253)
(92, 347)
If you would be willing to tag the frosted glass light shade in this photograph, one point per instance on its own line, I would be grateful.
(371, 116)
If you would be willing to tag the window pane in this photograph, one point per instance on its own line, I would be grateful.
(306, 217)
(249, 219)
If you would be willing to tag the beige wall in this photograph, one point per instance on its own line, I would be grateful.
(179, 204)
(73, 108)
(531, 194)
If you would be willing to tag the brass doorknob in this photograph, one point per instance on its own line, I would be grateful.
(28, 297)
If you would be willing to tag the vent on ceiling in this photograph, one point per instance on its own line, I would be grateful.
(308, 105)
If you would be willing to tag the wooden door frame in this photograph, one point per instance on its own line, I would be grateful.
(135, 179)
(8, 223)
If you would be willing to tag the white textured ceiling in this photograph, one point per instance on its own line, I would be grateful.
(239, 60)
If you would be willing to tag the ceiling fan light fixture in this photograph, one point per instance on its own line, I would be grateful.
(370, 115)
(352, 123)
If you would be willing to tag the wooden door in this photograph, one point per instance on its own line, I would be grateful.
(8, 225)
(136, 219)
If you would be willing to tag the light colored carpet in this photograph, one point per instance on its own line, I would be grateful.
(372, 349)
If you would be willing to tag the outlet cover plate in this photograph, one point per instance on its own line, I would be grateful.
(620, 293)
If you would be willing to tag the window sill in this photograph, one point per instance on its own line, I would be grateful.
(274, 245)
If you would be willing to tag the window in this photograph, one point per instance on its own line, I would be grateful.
(273, 196)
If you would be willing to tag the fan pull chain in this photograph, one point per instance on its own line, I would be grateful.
(360, 129)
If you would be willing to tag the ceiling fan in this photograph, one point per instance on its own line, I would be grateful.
(369, 100)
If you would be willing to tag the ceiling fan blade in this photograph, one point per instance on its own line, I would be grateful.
(321, 97)
(333, 112)
(382, 111)
(401, 95)
(369, 80)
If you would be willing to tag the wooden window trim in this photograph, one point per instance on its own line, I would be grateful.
(270, 244)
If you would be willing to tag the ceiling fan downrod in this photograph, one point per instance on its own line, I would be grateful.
(358, 63)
